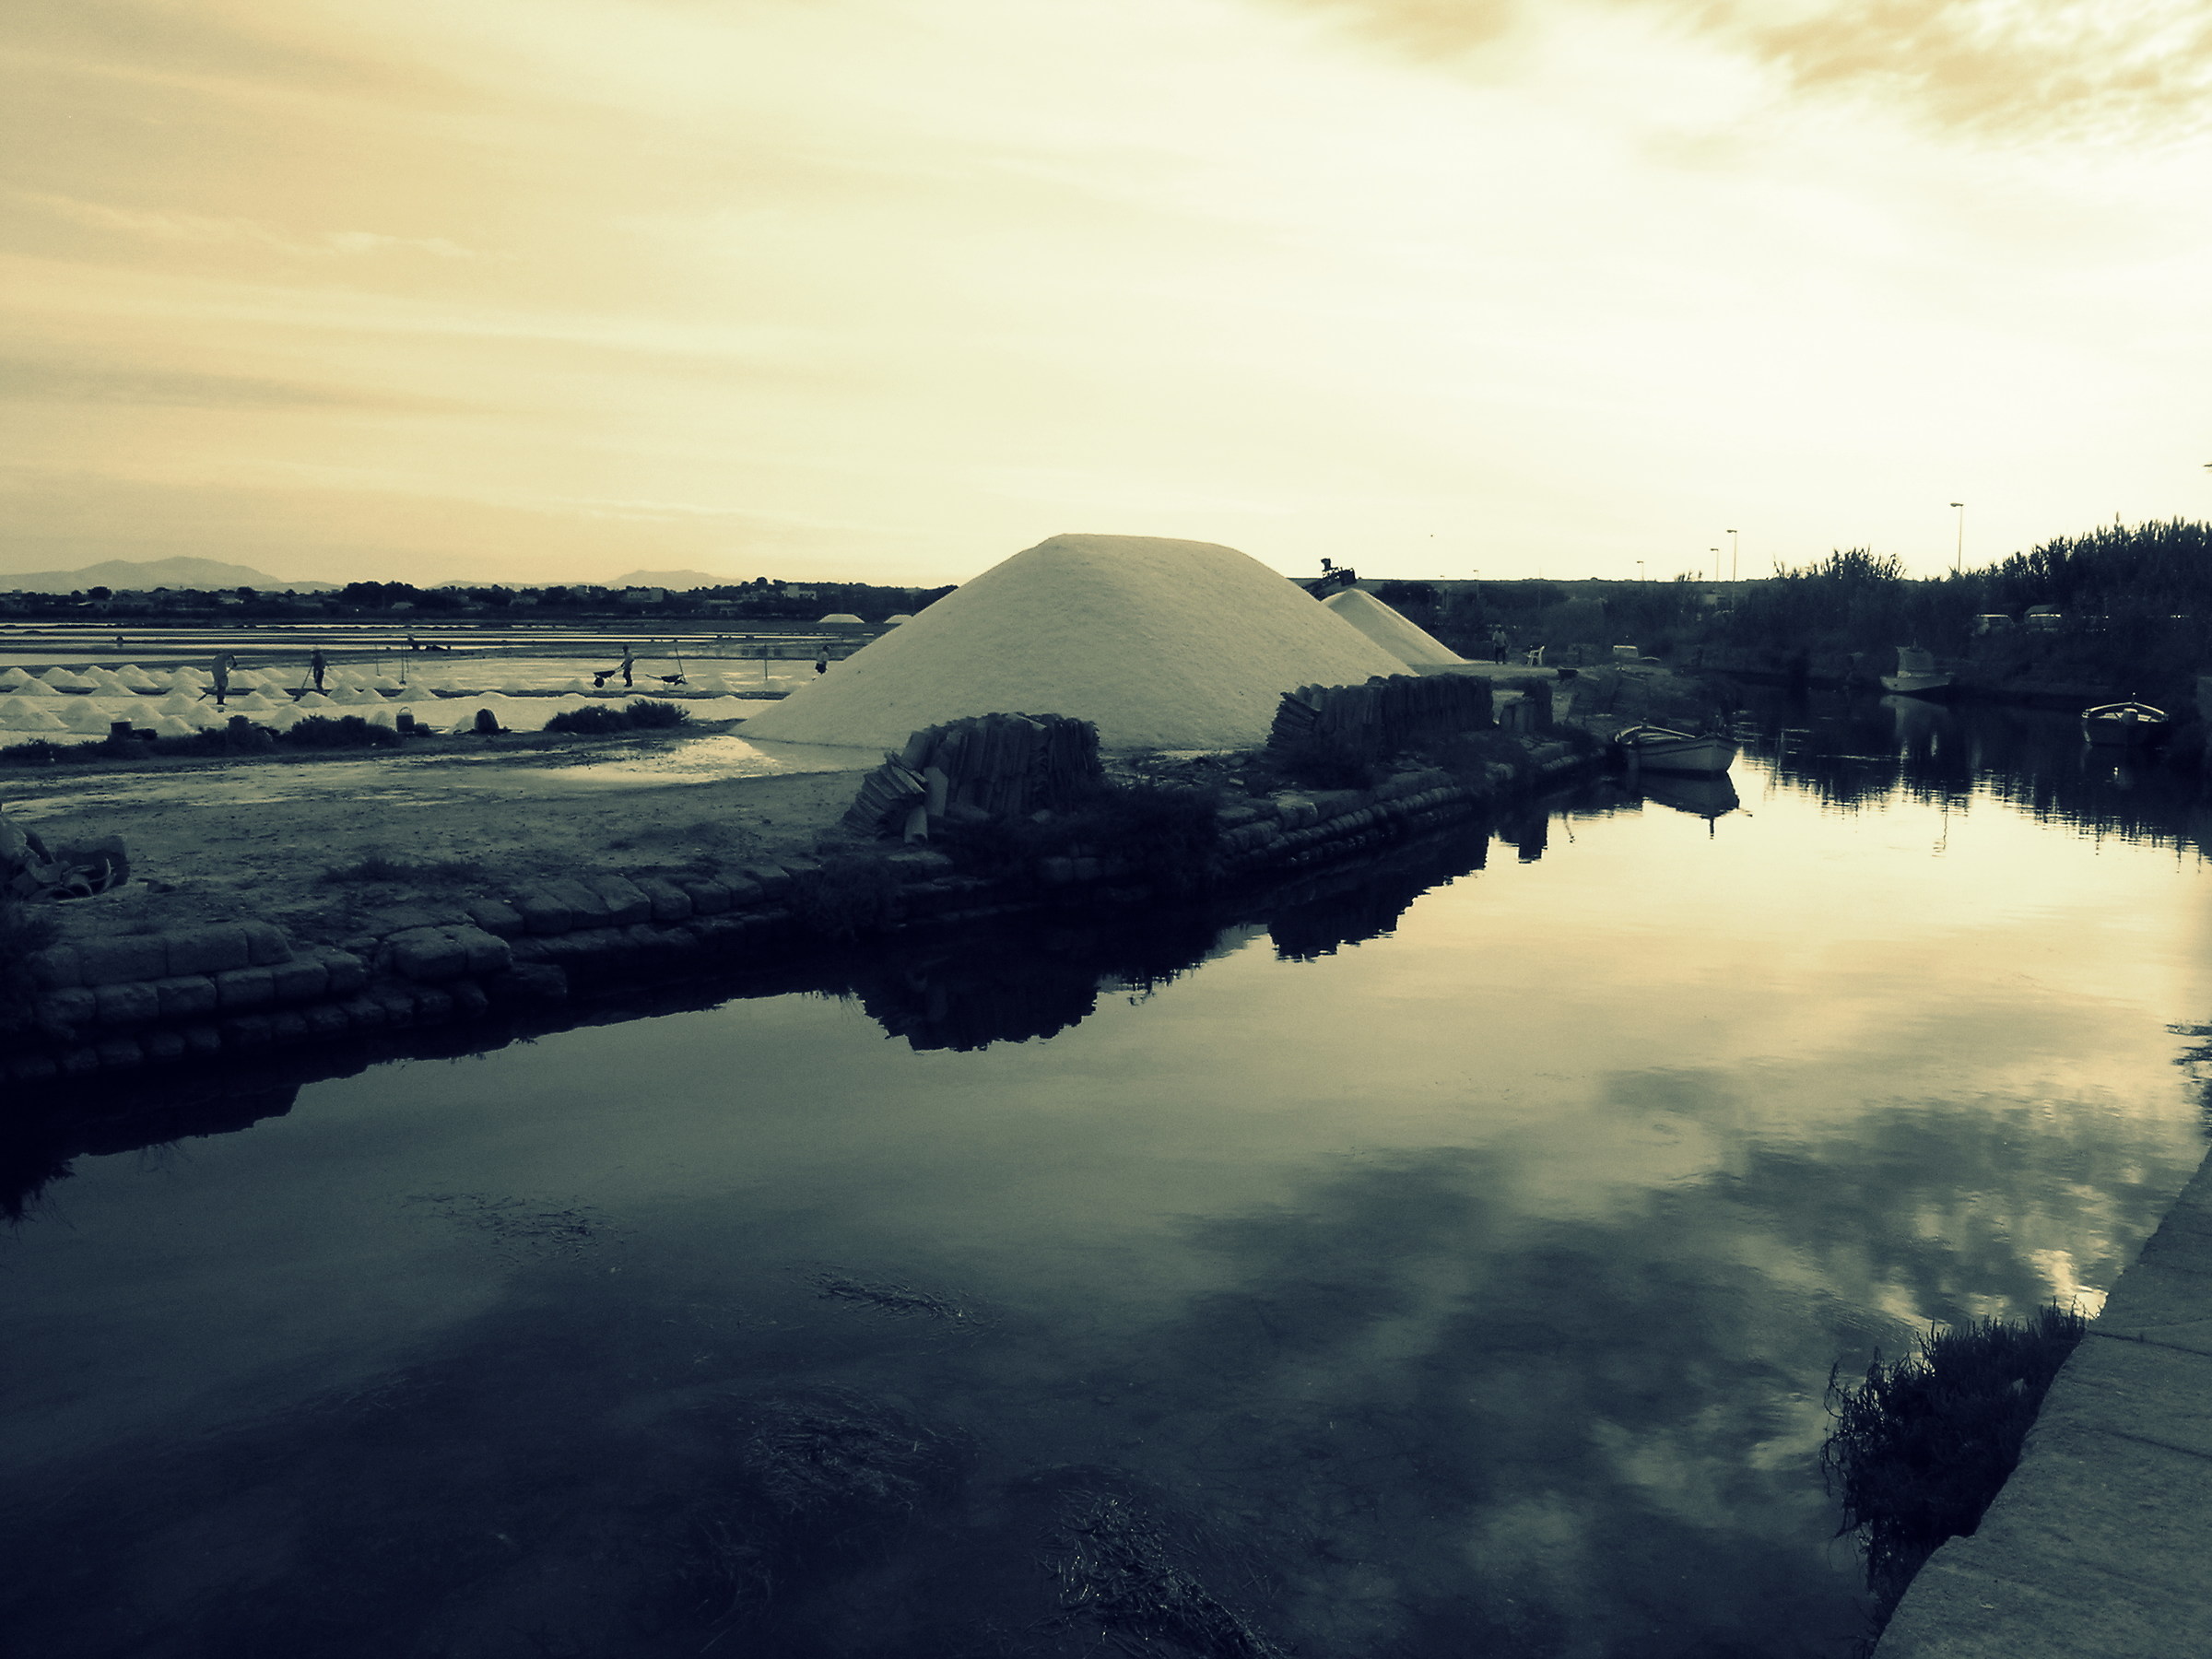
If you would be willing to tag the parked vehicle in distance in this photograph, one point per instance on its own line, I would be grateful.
(2123, 725)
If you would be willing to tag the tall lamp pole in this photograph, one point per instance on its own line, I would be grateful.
(1958, 554)
(1732, 555)
(1716, 562)
(1639, 570)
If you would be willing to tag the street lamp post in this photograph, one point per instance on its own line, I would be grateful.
(1716, 562)
(1958, 553)
(1732, 555)
(1639, 570)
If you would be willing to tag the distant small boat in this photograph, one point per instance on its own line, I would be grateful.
(1662, 750)
(2123, 725)
(1916, 674)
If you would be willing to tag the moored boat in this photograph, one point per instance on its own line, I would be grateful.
(1916, 674)
(1663, 750)
(2123, 725)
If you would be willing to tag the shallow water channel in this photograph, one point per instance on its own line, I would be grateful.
(1448, 1260)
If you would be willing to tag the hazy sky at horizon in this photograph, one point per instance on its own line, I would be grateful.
(891, 288)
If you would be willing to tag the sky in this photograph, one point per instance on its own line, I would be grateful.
(889, 289)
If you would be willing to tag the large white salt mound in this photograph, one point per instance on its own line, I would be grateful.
(1408, 642)
(1164, 644)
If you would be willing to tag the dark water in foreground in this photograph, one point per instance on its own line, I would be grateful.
(1469, 1288)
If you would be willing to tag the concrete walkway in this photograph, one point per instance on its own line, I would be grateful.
(2100, 1544)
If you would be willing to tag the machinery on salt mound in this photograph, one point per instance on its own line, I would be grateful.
(1394, 632)
(1161, 644)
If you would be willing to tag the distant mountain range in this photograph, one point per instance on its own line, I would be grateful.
(202, 573)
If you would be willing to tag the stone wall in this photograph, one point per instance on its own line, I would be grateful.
(127, 1002)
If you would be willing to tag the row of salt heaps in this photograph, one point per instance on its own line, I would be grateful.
(179, 713)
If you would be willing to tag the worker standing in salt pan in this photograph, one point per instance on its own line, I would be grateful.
(626, 661)
(318, 663)
(821, 660)
(221, 674)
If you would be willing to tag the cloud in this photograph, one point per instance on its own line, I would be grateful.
(171, 227)
(62, 380)
(2001, 69)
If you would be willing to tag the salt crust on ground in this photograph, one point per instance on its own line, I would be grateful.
(1164, 644)
(1408, 642)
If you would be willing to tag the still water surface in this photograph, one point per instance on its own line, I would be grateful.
(1449, 1265)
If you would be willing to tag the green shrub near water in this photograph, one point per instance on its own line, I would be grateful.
(1922, 1445)
(599, 720)
(1162, 835)
(23, 929)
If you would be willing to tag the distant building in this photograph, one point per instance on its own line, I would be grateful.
(644, 595)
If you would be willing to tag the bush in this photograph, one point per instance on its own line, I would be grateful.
(349, 731)
(594, 720)
(651, 715)
(1315, 765)
(1921, 1446)
(23, 929)
(846, 898)
(1163, 835)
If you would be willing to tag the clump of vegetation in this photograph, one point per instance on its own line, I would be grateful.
(24, 928)
(849, 896)
(594, 720)
(1114, 1566)
(1922, 1445)
(349, 731)
(1162, 835)
(1316, 764)
(808, 1469)
(599, 720)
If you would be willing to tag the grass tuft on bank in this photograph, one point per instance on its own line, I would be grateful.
(1920, 1445)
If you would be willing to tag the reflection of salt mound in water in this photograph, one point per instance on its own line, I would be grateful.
(1164, 644)
(1409, 642)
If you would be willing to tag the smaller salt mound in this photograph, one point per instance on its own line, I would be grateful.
(357, 697)
(313, 701)
(898, 617)
(179, 702)
(254, 701)
(34, 687)
(107, 683)
(1409, 642)
(282, 717)
(847, 617)
(38, 720)
(384, 682)
(79, 715)
(169, 725)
